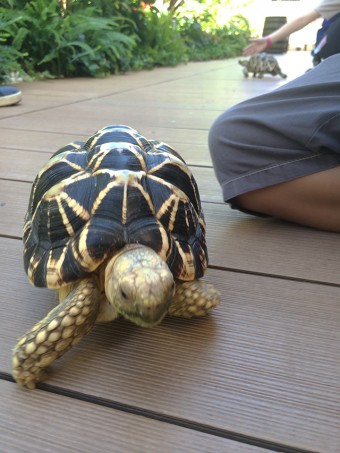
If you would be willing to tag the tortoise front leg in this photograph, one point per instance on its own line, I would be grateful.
(194, 298)
(49, 339)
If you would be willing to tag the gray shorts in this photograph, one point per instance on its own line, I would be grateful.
(286, 134)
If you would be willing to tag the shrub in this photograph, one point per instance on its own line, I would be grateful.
(77, 44)
(160, 42)
(70, 38)
(214, 42)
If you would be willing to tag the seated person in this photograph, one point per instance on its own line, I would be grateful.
(279, 154)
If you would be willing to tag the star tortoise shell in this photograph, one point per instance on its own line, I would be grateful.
(91, 199)
(261, 64)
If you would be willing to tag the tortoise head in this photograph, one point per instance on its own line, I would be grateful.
(139, 285)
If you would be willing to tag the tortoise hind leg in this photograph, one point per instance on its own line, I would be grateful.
(194, 298)
(50, 338)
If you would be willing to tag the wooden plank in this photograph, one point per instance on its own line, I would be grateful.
(48, 94)
(135, 112)
(235, 241)
(137, 117)
(92, 428)
(265, 245)
(39, 139)
(181, 81)
(34, 140)
(264, 364)
(221, 82)
(21, 165)
(194, 94)
(14, 198)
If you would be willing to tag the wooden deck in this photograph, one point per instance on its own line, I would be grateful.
(260, 374)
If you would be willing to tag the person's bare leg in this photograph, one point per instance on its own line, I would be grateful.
(312, 200)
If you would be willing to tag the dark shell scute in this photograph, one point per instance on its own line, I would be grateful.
(92, 198)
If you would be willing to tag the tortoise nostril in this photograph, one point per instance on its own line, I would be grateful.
(123, 294)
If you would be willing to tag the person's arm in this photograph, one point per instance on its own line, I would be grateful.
(260, 44)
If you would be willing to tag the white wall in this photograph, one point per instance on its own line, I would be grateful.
(258, 10)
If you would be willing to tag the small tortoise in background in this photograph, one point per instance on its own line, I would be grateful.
(261, 64)
(116, 226)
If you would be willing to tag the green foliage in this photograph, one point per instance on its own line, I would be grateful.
(77, 44)
(160, 42)
(86, 46)
(9, 56)
(104, 7)
(219, 42)
(67, 38)
(10, 68)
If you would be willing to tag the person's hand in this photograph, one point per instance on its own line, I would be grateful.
(256, 45)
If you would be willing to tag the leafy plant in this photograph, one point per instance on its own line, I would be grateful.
(66, 38)
(160, 41)
(205, 40)
(67, 44)
(9, 56)
(10, 68)
(87, 45)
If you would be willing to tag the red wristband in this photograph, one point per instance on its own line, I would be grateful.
(268, 42)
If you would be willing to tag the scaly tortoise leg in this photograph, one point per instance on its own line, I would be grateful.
(50, 338)
(194, 298)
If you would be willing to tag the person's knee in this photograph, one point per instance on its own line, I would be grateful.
(221, 132)
(214, 135)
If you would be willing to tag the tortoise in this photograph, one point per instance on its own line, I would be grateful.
(115, 225)
(261, 64)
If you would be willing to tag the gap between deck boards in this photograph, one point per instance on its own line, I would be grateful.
(153, 415)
